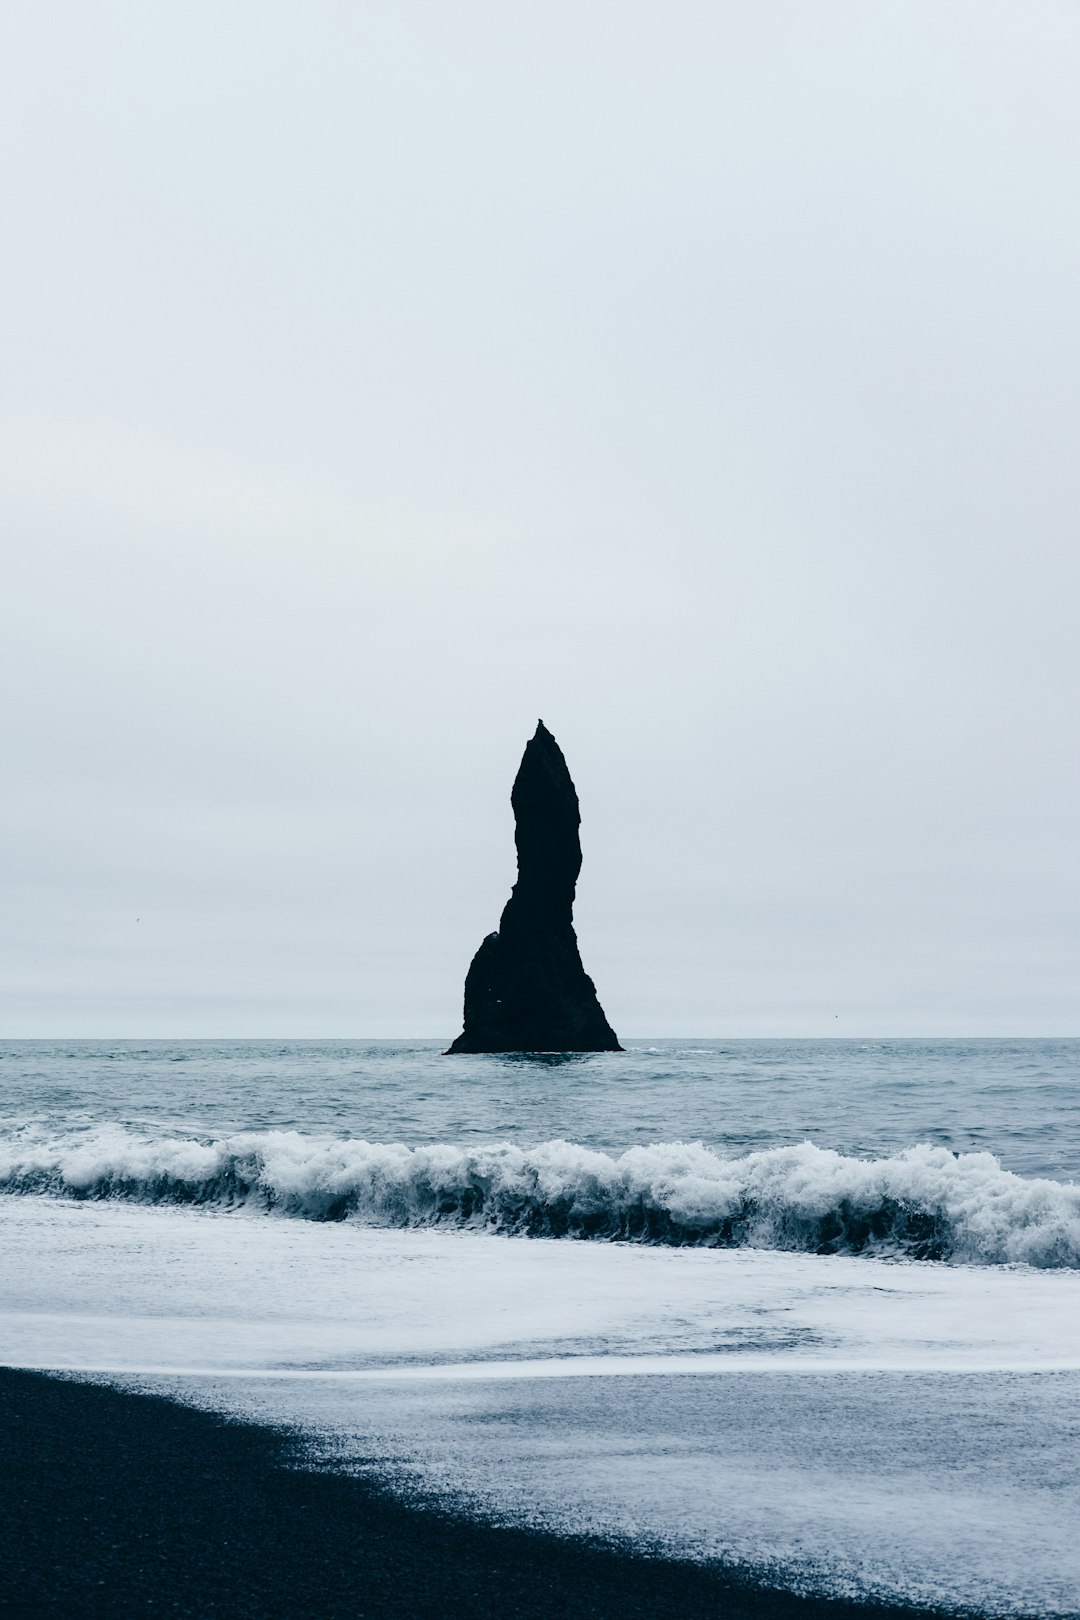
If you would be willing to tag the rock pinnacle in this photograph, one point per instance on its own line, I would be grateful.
(526, 990)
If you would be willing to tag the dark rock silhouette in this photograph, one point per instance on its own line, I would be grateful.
(526, 990)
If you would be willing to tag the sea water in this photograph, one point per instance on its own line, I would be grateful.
(811, 1309)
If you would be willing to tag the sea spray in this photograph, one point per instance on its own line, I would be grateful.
(925, 1203)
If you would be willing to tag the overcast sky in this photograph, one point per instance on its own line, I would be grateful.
(380, 376)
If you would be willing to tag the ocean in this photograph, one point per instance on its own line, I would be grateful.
(807, 1309)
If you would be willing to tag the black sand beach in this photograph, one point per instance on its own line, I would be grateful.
(117, 1504)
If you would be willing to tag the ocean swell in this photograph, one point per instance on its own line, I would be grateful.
(924, 1203)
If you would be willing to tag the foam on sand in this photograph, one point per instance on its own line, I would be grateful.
(841, 1425)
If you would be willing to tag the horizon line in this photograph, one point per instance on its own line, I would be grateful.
(436, 1039)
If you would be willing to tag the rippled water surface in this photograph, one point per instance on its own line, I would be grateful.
(1017, 1099)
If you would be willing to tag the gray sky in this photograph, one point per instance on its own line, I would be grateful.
(378, 377)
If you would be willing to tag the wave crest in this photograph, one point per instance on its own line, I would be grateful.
(923, 1203)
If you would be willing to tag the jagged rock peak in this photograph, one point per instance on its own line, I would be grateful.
(546, 821)
(526, 990)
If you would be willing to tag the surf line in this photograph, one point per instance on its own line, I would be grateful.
(571, 1367)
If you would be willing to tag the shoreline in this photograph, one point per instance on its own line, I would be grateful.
(114, 1502)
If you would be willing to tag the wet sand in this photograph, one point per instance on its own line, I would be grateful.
(119, 1504)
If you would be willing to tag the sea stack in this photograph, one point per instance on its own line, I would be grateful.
(526, 990)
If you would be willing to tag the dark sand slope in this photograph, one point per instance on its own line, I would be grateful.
(119, 1504)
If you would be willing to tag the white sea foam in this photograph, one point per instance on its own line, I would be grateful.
(847, 1425)
(924, 1203)
(119, 1284)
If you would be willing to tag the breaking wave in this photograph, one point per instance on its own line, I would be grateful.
(925, 1203)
